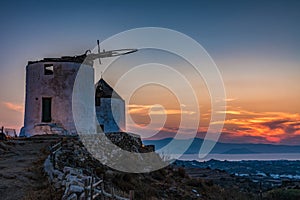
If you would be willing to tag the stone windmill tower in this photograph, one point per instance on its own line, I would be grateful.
(49, 88)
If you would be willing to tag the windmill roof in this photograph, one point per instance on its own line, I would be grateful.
(104, 90)
(75, 59)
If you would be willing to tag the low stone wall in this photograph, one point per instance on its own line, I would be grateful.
(71, 180)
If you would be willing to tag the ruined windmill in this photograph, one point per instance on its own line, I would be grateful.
(49, 87)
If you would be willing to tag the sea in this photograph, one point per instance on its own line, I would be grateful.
(240, 157)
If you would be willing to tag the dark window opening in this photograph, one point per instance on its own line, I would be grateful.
(102, 127)
(46, 110)
(98, 101)
(48, 69)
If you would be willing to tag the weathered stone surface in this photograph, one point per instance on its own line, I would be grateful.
(59, 87)
(67, 169)
(57, 185)
(76, 188)
(72, 197)
(58, 174)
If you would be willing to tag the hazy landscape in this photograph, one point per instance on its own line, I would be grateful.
(229, 148)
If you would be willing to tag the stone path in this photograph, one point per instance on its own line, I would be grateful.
(21, 169)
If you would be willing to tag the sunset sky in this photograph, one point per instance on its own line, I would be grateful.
(255, 44)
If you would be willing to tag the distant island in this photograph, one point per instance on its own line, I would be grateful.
(224, 148)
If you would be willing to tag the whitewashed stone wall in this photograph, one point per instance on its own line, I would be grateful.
(111, 114)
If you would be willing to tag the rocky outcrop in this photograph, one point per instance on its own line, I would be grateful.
(129, 142)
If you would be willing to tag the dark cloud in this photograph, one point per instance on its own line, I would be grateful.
(228, 137)
(287, 125)
(275, 124)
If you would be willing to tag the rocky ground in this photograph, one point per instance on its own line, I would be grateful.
(23, 176)
(21, 169)
(167, 183)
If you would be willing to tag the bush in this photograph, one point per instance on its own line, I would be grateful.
(181, 172)
(194, 182)
(283, 194)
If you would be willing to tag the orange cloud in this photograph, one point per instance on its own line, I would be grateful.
(15, 107)
(241, 125)
(229, 112)
(273, 126)
(156, 110)
(229, 99)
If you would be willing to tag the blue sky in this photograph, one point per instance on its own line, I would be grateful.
(220, 26)
(253, 42)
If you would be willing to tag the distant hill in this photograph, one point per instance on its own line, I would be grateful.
(223, 148)
(239, 151)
